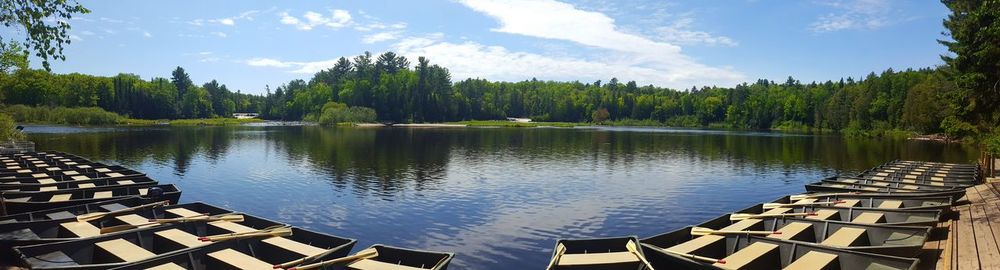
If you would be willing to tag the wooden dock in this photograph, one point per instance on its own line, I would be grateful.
(970, 237)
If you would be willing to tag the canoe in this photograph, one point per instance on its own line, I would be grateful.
(875, 202)
(66, 175)
(51, 231)
(890, 184)
(386, 258)
(836, 187)
(903, 241)
(901, 183)
(932, 174)
(64, 170)
(78, 184)
(965, 166)
(855, 215)
(680, 250)
(918, 178)
(192, 239)
(598, 253)
(70, 212)
(20, 203)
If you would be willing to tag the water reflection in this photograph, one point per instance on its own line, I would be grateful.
(498, 197)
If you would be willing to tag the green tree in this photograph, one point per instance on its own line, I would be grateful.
(974, 28)
(45, 24)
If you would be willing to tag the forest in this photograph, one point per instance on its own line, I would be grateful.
(397, 92)
(959, 98)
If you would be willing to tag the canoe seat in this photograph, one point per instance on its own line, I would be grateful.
(825, 214)
(21, 234)
(26, 170)
(882, 174)
(805, 201)
(167, 266)
(80, 177)
(48, 188)
(46, 181)
(36, 175)
(86, 185)
(694, 245)
(937, 178)
(231, 226)
(124, 250)
(846, 237)
(70, 163)
(114, 174)
(849, 203)
(814, 260)
(70, 172)
(890, 204)
(755, 256)
(180, 237)
(103, 194)
(597, 258)
(870, 188)
(102, 170)
(869, 218)
(143, 191)
(84, 166)
(795, 231)
(878, 177)
(293, 246)
(743, 225)
(238, 260)
(60, 197)
(182, 212)
(133, 219)
(779, 210)
(380, 265)
(60, 215)
(80, 229)
(939, 184)
(125, 182)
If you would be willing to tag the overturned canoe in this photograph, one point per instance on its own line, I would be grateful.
(374, 257)
(116, 217)
(853, 215)
(250, 243)
(600, 253)
(70, 212)
(681, 250)
(78, 184)
(27, 202)
(904, 241)
(872, 201)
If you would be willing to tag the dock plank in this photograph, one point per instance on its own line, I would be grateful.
(966, 255)
(985, 242)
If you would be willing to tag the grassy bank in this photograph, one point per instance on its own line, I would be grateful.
(92, 116)
(504, 123)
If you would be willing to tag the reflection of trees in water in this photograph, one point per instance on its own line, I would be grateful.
(386, 161)
(131, 147)
(380, 160)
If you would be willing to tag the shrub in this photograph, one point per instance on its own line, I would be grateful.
(334, 113)
(63, 115)
(7, 130)
(600, 115)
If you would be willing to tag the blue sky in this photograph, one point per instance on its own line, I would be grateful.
(679, 44)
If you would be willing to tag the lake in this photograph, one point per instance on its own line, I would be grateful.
(497, 197)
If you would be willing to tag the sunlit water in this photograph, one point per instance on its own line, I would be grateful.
(497, 197)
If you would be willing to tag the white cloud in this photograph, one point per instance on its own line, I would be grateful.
(382, 36)
(146, 34)
(219, 34)
(380, 26)
(75, 37)
(230, 21)
(338, 18)
(197, 22)
(628, 56)
(226, 21)
(268, 62)
(680, 32)
(853, 15)
(299, 67)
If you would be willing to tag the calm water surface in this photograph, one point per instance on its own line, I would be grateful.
(497, 197)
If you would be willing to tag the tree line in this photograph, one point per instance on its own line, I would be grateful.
(909, 99)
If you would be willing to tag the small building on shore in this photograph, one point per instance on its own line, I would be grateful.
(519, 120)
